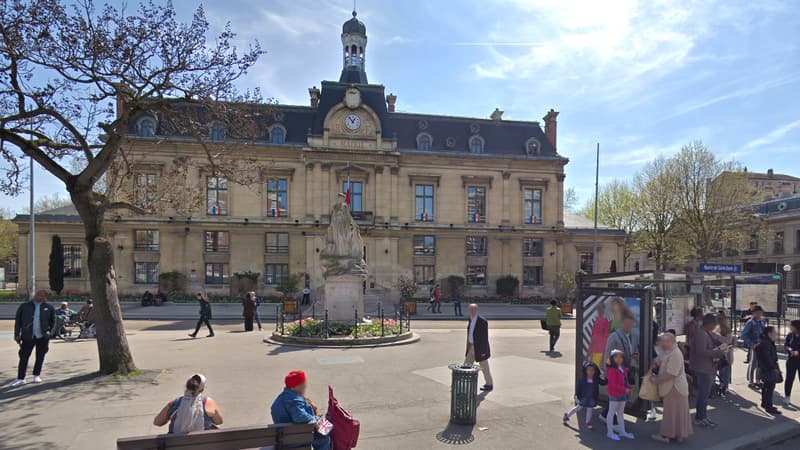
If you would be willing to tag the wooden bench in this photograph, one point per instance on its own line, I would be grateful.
(272, 437)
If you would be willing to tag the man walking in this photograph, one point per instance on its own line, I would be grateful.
(33, 326)
(478, 345)
(553, 319)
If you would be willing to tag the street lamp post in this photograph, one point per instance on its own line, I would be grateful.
(32, 238)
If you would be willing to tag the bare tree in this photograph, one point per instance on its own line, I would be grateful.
(75, 77)
(713, 198)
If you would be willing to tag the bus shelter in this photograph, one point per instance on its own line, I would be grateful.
(659, 302)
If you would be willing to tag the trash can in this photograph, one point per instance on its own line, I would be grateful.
(463, 393)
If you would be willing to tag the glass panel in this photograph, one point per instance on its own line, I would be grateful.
(587, 262)
(217, 241)
(146, 240)
(72, 261)
(356, 195)
(533, 206)
(275, 273)
(277, 243)
(531, 247)
(476, 204)
(423, 203)
(532, 275)
(277, 197)
(476, 275)
(277, 135)
(424, 245)
(476, 245)
(144, 190)
(216, 273)
(424, 274)
(146, 272)
(216, 196)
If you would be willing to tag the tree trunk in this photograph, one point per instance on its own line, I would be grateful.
(112, 344)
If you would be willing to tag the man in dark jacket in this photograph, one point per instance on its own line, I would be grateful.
(478, 345)
(703, 351)
(33, 326)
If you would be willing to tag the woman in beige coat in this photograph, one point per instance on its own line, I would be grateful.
(673, 390)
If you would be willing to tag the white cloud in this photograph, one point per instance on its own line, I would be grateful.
(773, 136)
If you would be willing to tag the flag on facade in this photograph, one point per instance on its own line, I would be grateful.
(347, 191)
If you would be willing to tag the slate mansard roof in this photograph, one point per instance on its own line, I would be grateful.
(449, 134)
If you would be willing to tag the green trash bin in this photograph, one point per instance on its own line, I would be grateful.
(463, 394)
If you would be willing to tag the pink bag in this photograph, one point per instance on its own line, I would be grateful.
(344, 435)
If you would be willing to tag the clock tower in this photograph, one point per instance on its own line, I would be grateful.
(354, 44)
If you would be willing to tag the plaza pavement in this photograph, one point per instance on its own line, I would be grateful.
(400, 394)
(178, 311)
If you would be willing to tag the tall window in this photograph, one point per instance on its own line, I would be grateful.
(144, 190)
(217, 273)
(476, 204)
(217, 241)
(277, 135)
(476, 275)
(476, 245)
(424, 142)
(277, 244)
(72, 260)
(476, 145)
(424, 202)
(145, 273)
(778, 243)
(275, 273)
(532, 275)
(146, 240)
(531, 247)
(587, 262)
(216, 196)
(217, 133)
(424, 245)
(356, 195)
(424, 274)
(277, 198)
(752, 245)
(147, 127)
(796, 276)
(533, 205)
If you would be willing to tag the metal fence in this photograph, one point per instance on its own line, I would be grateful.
(402, 320)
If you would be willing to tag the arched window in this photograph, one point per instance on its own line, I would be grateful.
(532, 147)
(217, 133)
(147, 127)
(476, 145)
(277, 135)
(424, 141)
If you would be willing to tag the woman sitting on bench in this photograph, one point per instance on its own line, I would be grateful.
(192, 412)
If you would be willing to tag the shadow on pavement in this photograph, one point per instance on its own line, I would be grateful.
(456, 434)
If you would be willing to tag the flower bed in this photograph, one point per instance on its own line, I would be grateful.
(316, 328)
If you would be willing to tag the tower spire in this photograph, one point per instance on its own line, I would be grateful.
(354, 43)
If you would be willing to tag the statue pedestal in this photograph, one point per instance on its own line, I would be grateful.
(343, 296)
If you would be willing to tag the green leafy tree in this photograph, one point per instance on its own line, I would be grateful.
(76, 77)
(618, 207)
(56, 265)
(8, 235)
(290, 284)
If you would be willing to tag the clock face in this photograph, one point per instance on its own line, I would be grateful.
(352, 121)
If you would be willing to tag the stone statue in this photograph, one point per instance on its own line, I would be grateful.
(344, 249)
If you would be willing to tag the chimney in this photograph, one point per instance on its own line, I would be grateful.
(496, 114)
(770, 173)
(391, 99)
(313, 92)
(550, 126)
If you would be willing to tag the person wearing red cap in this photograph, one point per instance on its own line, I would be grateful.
(291, 406)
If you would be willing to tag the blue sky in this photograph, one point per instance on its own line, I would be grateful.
(640, 77)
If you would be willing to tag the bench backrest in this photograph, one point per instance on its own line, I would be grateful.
(276, 437)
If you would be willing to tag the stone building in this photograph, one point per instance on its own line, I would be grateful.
(434, 195)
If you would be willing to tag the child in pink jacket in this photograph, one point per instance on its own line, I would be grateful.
(618, 391)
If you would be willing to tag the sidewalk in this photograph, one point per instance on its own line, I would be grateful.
(230, 311)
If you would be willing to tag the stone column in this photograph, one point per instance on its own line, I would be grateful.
(394, 184)
(325, 190)
(308, 205)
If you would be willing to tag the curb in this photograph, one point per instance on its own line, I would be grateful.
(411, 340)
(762, 439)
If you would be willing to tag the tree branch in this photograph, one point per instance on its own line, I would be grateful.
(37, 154)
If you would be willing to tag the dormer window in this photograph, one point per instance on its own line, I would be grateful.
(476, 145)
(532, 147)
(424, 141)
(217, 133)
(277, 134)
(147, 127)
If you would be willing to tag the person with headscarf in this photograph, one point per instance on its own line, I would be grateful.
(669, 375)
(191, 412)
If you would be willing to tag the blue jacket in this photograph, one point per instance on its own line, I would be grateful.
(587, 393)
(291, 407)
(752, 330)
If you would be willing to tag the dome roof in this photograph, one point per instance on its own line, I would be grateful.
(354, 26)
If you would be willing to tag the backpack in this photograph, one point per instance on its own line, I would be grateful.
(344, 435)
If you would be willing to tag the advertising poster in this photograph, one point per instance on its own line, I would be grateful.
(765, 295)
(678, 313)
